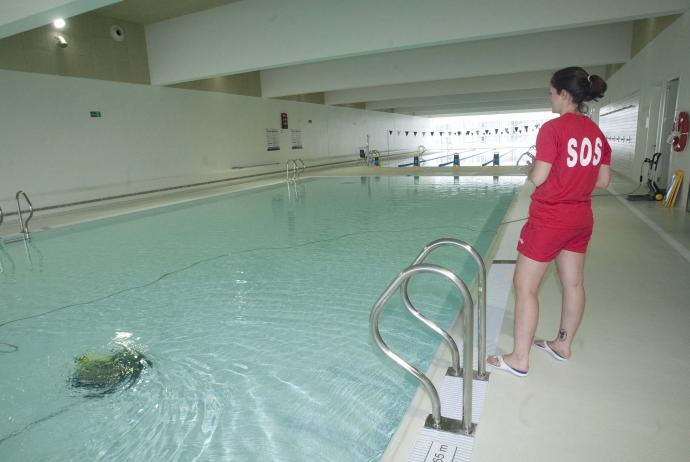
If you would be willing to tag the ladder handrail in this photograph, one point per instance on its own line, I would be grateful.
(454, 369)
(481, 294)
(24, 225)
(287, 169)
(437, 421)
(303, 167)
(526, 153)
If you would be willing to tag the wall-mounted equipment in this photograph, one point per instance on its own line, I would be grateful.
(117, 33)
(61, 41)
(679, 136)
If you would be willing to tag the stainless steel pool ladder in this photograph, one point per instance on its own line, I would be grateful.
(435, 420)
(421, 149)
(298, 167)
(287, 170)
(2, 216)
(481, 373)
(301, 167)
(24, 225)
(527, 153)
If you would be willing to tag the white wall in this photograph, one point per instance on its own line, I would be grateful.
(665, 58)
(150, 137)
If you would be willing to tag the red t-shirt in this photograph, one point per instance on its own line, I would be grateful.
(576, 148)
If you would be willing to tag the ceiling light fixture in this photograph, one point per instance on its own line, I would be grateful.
(59, 23)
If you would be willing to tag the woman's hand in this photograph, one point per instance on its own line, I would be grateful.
(527, 168)
(539, 172)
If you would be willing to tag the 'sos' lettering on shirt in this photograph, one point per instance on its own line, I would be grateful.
(583, 155)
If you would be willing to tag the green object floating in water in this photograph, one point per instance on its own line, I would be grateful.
(101, 374)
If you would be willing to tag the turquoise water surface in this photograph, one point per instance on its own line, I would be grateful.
(253, 309)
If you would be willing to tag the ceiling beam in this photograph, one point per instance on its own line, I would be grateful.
(399, 105)
(545, 51)
(263, 34)
(504, 82)
(479, 108)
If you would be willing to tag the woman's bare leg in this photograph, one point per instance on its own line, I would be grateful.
(527, 277)
(571, 271)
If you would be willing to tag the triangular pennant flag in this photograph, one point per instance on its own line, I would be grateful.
(415, 133)
(407, 132)
(398, 132)
(390, 132)
(432, 133)
(440, 133)
(423, 133)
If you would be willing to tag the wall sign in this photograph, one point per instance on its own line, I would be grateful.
(272, 139)
(283, 120)
(296, 138)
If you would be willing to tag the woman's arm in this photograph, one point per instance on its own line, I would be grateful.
(604, 176)
(540, 172)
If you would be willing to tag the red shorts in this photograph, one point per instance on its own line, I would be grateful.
(544, 244)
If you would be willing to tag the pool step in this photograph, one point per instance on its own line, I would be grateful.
(432, 444)
(450, 393)
(461, 447)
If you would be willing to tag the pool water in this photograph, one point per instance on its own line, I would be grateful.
(253, 310)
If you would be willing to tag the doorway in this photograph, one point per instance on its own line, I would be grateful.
(667, 111)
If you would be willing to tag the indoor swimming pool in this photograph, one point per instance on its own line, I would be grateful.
(252, 311)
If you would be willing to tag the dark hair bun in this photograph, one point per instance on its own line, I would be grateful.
(581, 85)
(597, 88)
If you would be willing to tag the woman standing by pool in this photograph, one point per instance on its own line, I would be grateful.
(573, 157)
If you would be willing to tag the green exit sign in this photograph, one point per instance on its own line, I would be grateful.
(95, 113)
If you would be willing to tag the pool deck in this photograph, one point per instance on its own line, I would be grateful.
(623, 395)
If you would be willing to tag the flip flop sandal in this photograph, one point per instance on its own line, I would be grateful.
(545, 347)
(503, 366)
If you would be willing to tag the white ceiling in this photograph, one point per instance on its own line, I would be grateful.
(353, 49)
(427, 58)
(150, 11)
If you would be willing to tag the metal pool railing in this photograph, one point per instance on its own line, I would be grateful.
(436, 420)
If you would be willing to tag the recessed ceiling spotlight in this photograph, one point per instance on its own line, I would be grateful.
(59, 23)
(61, 42)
